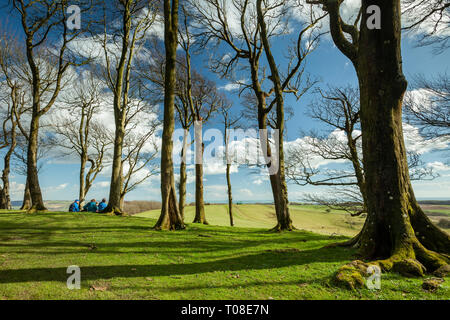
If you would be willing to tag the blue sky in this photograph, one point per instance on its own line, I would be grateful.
(59, 179)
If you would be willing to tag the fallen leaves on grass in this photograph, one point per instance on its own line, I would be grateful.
(96, 287)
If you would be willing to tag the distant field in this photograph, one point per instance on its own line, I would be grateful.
(307, 217)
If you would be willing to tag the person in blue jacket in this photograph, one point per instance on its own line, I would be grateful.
(91, 206)
(102, 206)
(75, 206)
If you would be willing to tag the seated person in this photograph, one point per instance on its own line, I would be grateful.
(102, 206)
(75, 206)
(91, 206)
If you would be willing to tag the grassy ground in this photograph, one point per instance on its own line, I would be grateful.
(122, 258)
(307, 217)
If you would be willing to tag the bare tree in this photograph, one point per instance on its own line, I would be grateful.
(15, 102)
(77, 132)
(139, 148)
(48, 64)
(433, 16)
(259, 23)
(229, 122)
(396, 232)
(196, 100)
(338, 109)
(428, 107)
(124, 34)
(19, 160)
(170, 218)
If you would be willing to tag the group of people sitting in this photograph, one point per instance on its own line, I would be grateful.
(91, 206)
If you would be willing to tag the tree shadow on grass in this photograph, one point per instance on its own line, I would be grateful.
(268, 259)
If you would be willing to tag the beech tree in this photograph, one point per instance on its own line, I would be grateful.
(429, 20)
(338, 109)
(229, 122)
(14, 104)
(397, 234)
(259, 23)
(429, 107)
(196, 100)
(77, 132)
(170, 218)
(41, 20)
(126, 25)
(139, 150)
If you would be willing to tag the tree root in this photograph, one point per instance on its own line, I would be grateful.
(114, 212)
(352, 275)
(36, 209)
(281, 228)
(414, 262)
(353, 243)
(201, 222)
(175, 227)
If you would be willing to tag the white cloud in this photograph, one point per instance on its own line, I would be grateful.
(258, 182)
(416, 143)
(245, 192)
(438, 166)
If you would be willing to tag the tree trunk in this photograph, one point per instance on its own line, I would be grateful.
(396, 231)
(115, 188)
(230, 196)
(122, 201)
(278, 179)
(275, 183)
(199, 202)
(170, 218)
(5, 198)
(82, 193)
(182, 188)
(183, 176)
(2, 199)
(37, 202)
(26, 204)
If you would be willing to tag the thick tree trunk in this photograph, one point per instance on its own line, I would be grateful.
(26, 204)
(5, 198)
(278, 185)
(396, 232)
(115, 188)
(230, 196)
(170, 218)
(182, 189)
(2, 199)
(37, 202)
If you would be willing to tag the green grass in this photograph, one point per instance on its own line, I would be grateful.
(307, 217)
(131, 261)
